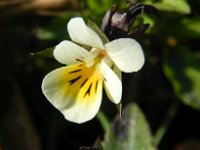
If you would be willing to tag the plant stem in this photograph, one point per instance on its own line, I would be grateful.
(164, 126)
(103, 120)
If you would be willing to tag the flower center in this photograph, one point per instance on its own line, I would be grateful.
(101, 54)
(98, 55)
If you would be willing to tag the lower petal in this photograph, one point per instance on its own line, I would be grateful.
(75, 90)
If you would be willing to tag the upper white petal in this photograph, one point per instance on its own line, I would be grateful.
(81, 33)
(68, 53)
(112, 84)
(126, 53)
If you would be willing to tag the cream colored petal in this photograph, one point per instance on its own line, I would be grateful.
(68, 53)
(75, 91)
(110, 63)
(126, 53)
(112, 84)
(81, 33)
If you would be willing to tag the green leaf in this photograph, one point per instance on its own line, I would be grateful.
(103, 37)
(184, 28)
(178, 6)
(131, 134)
(99, 6)
(45, 53)
(183, 71)
(191, 27)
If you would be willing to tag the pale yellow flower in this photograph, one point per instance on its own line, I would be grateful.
(76, 89)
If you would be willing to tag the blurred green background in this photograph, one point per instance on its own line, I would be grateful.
(161, 102)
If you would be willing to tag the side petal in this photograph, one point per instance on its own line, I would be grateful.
(74, 91)
(112, 84)
(81, 33)
(126, 53)
(67, 52)
(111, 64)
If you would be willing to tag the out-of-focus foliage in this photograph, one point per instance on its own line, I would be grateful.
(178, 6)
(132, 132)
(100, 6)
(181, 61)
(57, 30)
(183, 70)
(186, 28)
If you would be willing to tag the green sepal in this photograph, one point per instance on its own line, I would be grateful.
(45, 53)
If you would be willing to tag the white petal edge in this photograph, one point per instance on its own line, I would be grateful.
(79, 32)
(85, 111)
(112, 84)
(72, 108)
(126, 53)
(52, 87)
(66, 52)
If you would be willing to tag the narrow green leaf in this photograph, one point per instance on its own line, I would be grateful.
(183, 71)
(103, 37)
(131, 134)
(159, 134)
(45, 53)
(104, 121)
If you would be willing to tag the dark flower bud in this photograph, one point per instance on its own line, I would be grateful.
(117, 25)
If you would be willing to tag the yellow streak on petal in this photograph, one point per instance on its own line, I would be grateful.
(81, 83)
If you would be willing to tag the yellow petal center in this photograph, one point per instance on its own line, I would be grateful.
(82, 83)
